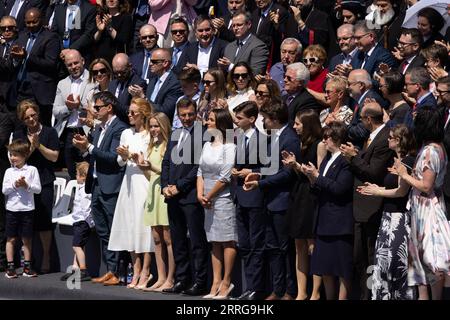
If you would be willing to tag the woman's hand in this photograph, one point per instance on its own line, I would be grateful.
(34, 140)
(369, 189)
(100, 23)
(274, 16)
(437, 73)
(288, 159)
(123, 152)
(251, 181)
(398, 168)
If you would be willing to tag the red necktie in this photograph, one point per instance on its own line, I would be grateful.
(414, 107)
(404, 66)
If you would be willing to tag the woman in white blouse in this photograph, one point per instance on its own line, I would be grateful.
(240, 85)
(335, 94)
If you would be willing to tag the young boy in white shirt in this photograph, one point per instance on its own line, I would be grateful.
(82, 223)
(20, 183)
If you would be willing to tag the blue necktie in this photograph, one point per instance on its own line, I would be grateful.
(69, 24)
(142, 8)
(145, 66)
(155, 90)
(175, 56)
(22, 72)
(15, 9)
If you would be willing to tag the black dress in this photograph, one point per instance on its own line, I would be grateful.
(398, 115)
(303, 203)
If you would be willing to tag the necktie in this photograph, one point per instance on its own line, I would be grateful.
(119, 89)
(414, 107)
(366, 57)
(240, 44)
(22, 72)
(6, 49)
(175, 56)
(155, 90)
(15, 9)
(404, 66)
(145, 66)
(142, 10)
(367, 143)
(70, 20)
(289, 99)
(183, 136)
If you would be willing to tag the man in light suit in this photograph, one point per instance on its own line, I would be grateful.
(69, 107)
(18, 8)
(164, 89)
(105, 175)
(247, 47)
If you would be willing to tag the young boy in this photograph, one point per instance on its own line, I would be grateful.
(82, 223)
(20, 183)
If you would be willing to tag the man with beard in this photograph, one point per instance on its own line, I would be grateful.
(223, 24)
(443, 92)
(408, 50)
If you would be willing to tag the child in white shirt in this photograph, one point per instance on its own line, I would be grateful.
(20, 183)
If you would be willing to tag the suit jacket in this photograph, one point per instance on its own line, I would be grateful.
(7, 5)
(370, 165)
(8, 78)
(254, 198)
(137, 62)
(379, 55)
(6, 128)
(190, 54)
(335, 207)
(109, 173)
(446, 186)
(302, 101)
(125, 97)
(167, 95)
(339, 59)
(418, 61)
(40, 68)
(225, 33)
(183, 175)
(80, 39)
(277, 187)
(254, 52)
(60, 110)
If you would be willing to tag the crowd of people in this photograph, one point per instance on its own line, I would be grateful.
(307, 138)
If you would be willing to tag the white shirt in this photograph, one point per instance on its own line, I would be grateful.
(176, 121)
(75, 88)
(264, 14)
(76, 12)
(333, 158)
(99, 142)
(21, 199)
(348, 57)
(203, 57)
(369, 54)
(159, 83)
(82, 206)
(21, 2)
(375, 133)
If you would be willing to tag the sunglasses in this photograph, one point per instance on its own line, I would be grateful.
(207, 82)
(178, 32)
(310, 60)
(7, 28)
(150, 36)
(262, 93)
(97, 107)
(133, 113)
(99, 71)
(326, 136)
(236, 76)
(156, 61)
(289, 78)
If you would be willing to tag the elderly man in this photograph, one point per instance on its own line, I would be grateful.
(341, 64)
(291, 51)
(69, 107)
(140, 60)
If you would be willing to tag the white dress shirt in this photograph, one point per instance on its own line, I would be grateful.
(75, 88)
(333, 158)
(82, 206)
(99, 142)
(203, 57)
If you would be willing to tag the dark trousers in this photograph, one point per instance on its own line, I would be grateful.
(251, 224)
(72, 155)
(277, 241)
(364, 250)
(103, 206)
(184, 218)
(447, 206)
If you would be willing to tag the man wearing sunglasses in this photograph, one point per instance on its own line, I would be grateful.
(8, 31)
(180, 31)
(140, 60)
(70, 101)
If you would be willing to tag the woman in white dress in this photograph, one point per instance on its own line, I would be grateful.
(213, 193)
(240, 85)
(128, 231)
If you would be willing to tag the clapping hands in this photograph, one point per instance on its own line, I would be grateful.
(21, 183)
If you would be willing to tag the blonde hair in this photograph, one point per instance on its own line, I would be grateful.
(24, 105)
(165, 127)
(82, 168)
(145, 108)
(338, 83)
(316, 50)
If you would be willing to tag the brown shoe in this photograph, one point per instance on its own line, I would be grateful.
(113, 281)
(287, 296)
(272, 296)
(103, 278)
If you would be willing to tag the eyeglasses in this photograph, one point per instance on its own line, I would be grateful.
(150, 36)
(441, 92)
(262, 93)
(310, 60)
(31, 116)
(133, 113)
(156, 61)
(97, 107)
(207, 82)
(357, 38)
(7, 28)
(99, 71)
(344, 39)
(120, 73)
(178, 31)
(289, 78)
(236, 76)
(404, 44)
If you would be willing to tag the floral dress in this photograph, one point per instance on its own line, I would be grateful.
(429, 242)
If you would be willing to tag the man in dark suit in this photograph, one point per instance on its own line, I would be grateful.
(105, 175)
(35, 55)
(164, 89)
(250, 214)
(443, 91)
(368, 165)
(205, 52)
(371, 54)
(140, 60)
(297, 97)
(18, 8)
(340, 64)
(276, 181)
(125, 85)
(140, 14)
(74, 22)
(417, 84)
(408, 50)
(247, 47)
(223, 24)
(178, 184)
(179, 29)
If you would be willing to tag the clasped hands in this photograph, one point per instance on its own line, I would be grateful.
(21, 183)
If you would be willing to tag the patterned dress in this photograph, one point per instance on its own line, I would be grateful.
(429, 243)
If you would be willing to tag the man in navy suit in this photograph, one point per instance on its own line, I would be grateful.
(180, 32)
(140, 60)
(371, 54)
(164, 89)
(277, 187)
(223, 23)
(18, 8)
(36, 54)
(105, 175)
(408, 50)
(178, 185)
(205, 52)
(126, 84)
(340, 64)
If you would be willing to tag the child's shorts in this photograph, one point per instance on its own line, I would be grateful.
(19, 223)
(81, 232)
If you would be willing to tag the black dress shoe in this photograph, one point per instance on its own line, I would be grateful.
(176, 289)
(195, 290)
(243, 296)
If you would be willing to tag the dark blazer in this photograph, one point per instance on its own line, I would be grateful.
(277, 187)
(370, 166)
(8, 78)
(253, 198)
(339, 59)
(7, 5)
(446, 186)
(418, 61)
(41, 65)
(379, 55)
(125, 97)
(183, 175)
(335, 207)
(109, 173)
(302, 101)
(167, 95)
(80, 39)
(6, 128)
(225, 33)
(190, 54)
(137, 62)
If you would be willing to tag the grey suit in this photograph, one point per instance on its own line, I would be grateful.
(254, 52)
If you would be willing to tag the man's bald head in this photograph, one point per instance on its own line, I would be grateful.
(147, 27)
(148, 36)
(374, 111)
(33, 12)
(33, 20)
(121, 67)
(74, 63)
(120, 60)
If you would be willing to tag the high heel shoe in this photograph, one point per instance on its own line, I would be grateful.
(223, 297)
(144, 285)
(212, 295)
(133, 285)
